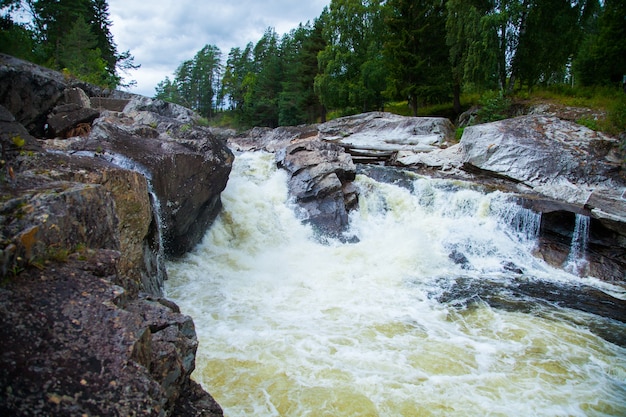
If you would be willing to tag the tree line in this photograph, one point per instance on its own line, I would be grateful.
(72, 36)
(359, 55)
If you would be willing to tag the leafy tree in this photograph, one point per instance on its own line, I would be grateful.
(263, 83)
(166, 90)
(472, 60)
(50, 28)
(548, 41)
(77, 52)
(16, 39)
(416, 51)
(238, 65)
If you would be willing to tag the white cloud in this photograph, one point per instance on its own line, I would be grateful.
(160, 34)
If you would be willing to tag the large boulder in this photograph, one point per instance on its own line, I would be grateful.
(556, 167)
(321, 176)
(186, 166)
(83, 221)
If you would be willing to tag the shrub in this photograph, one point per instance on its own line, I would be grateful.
(493, 106)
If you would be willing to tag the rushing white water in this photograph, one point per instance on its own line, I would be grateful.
(576, 261)
(291, 327)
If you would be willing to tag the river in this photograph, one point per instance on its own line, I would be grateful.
(392, 325)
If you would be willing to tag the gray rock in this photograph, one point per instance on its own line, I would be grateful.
(186, 165)
(321, 181)
(556, 158)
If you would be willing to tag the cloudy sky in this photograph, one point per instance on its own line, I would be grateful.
(161, 34)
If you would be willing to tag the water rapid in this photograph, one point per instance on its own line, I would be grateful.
(289, 326)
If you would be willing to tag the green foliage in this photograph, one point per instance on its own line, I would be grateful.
(589, 122)
(18, 141)
(196, 82)
(351, 73)
(415, 51)
(617, 118)
(413, 56)
(493, 106)
(16, 39)
(601, 59)
(458, 134)
(66, 34)
(79, 54)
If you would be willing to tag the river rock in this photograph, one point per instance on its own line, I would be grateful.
(558, 168)
(271, 140)
(321, 176)
(84, 327)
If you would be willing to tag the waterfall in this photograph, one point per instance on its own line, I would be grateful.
(289, 326)
(576, 262)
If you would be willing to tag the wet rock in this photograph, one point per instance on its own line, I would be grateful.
(515, 296)
(80, 245)
(387, 131)
(272, 140)
(556, 158)
(379, 135)
(459, 258)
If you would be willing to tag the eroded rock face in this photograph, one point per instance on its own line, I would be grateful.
(187, 168)
(558, 168)
(556, 158)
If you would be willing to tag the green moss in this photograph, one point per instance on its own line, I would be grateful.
(18, 141)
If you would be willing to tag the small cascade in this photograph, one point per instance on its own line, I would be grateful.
(576, 262)
(524, 222)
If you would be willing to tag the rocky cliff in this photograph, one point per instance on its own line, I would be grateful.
(97, 188)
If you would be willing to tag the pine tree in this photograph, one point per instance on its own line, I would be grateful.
(416, 51)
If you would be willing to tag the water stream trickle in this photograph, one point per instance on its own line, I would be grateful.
(576, 261)
(157, 246)
(291, 327)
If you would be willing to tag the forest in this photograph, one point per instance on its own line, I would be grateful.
(357, 56)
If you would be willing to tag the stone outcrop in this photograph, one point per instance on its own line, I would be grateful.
(320, 173)
(556, 158)
(86, 219)
(187, 167)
